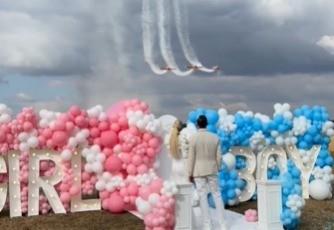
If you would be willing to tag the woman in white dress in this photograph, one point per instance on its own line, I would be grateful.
(178, 148)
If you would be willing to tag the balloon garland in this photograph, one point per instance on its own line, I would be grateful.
(119, 148)
(304, 127)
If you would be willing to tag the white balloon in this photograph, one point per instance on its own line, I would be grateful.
(153, 199)
(230, 160)
(24, 147)
(66, 155)
(319, 190)
(80, 137)
(72, 142)
(5, 118)
(33, 142)
(100, 185)
(23, 137)
(110, 187)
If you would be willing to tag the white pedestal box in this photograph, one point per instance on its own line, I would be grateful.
(183, 207)
(269, 205)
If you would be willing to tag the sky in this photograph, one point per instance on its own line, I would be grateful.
(54, 54)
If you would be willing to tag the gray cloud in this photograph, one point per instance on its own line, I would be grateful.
(267, 49)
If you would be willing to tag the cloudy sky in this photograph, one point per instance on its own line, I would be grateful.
(57, 53)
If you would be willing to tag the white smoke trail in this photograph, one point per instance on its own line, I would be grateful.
(165, 38)
(181, 21)
(148, 37)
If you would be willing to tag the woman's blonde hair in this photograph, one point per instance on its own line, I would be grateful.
(174, 140)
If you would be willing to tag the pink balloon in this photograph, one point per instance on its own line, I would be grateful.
(125, 157)
(64, 187)
(69, 126)
(123, 192)
(156, 185)
(81, 121)
(27, 126)
(126, 147)
(49, 143)
(109, 139)
(2, 136)
(131, 169)
(150, 152)
(85, 176)
(154, 142)
(123, 122)
(59, 138)
(75, 110)
(142, 169)
(133, 189)
(104, 194)
(47, 133)
(97, 141)
(65, 197)
(136, 160)
(105, 204)
(144, 192)
(41, 140)
(93, 122)
(94, 132)
(103, 126)
(115, 127)
(147, 136)
(74, 190)
(115, 203)
(60, 125)
(107, 151)
(113, 164)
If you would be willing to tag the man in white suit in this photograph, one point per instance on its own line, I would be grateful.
(204, 163)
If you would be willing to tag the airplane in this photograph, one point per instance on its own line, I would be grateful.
(169, 69)
(197, 68)
(194, 67)
(216, 68)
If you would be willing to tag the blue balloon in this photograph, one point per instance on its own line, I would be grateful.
(212, 116)
(231, 194)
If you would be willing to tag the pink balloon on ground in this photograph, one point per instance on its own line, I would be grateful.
(115, 203)
(65, 197)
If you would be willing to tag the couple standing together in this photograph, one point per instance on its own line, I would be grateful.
(203, 163)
